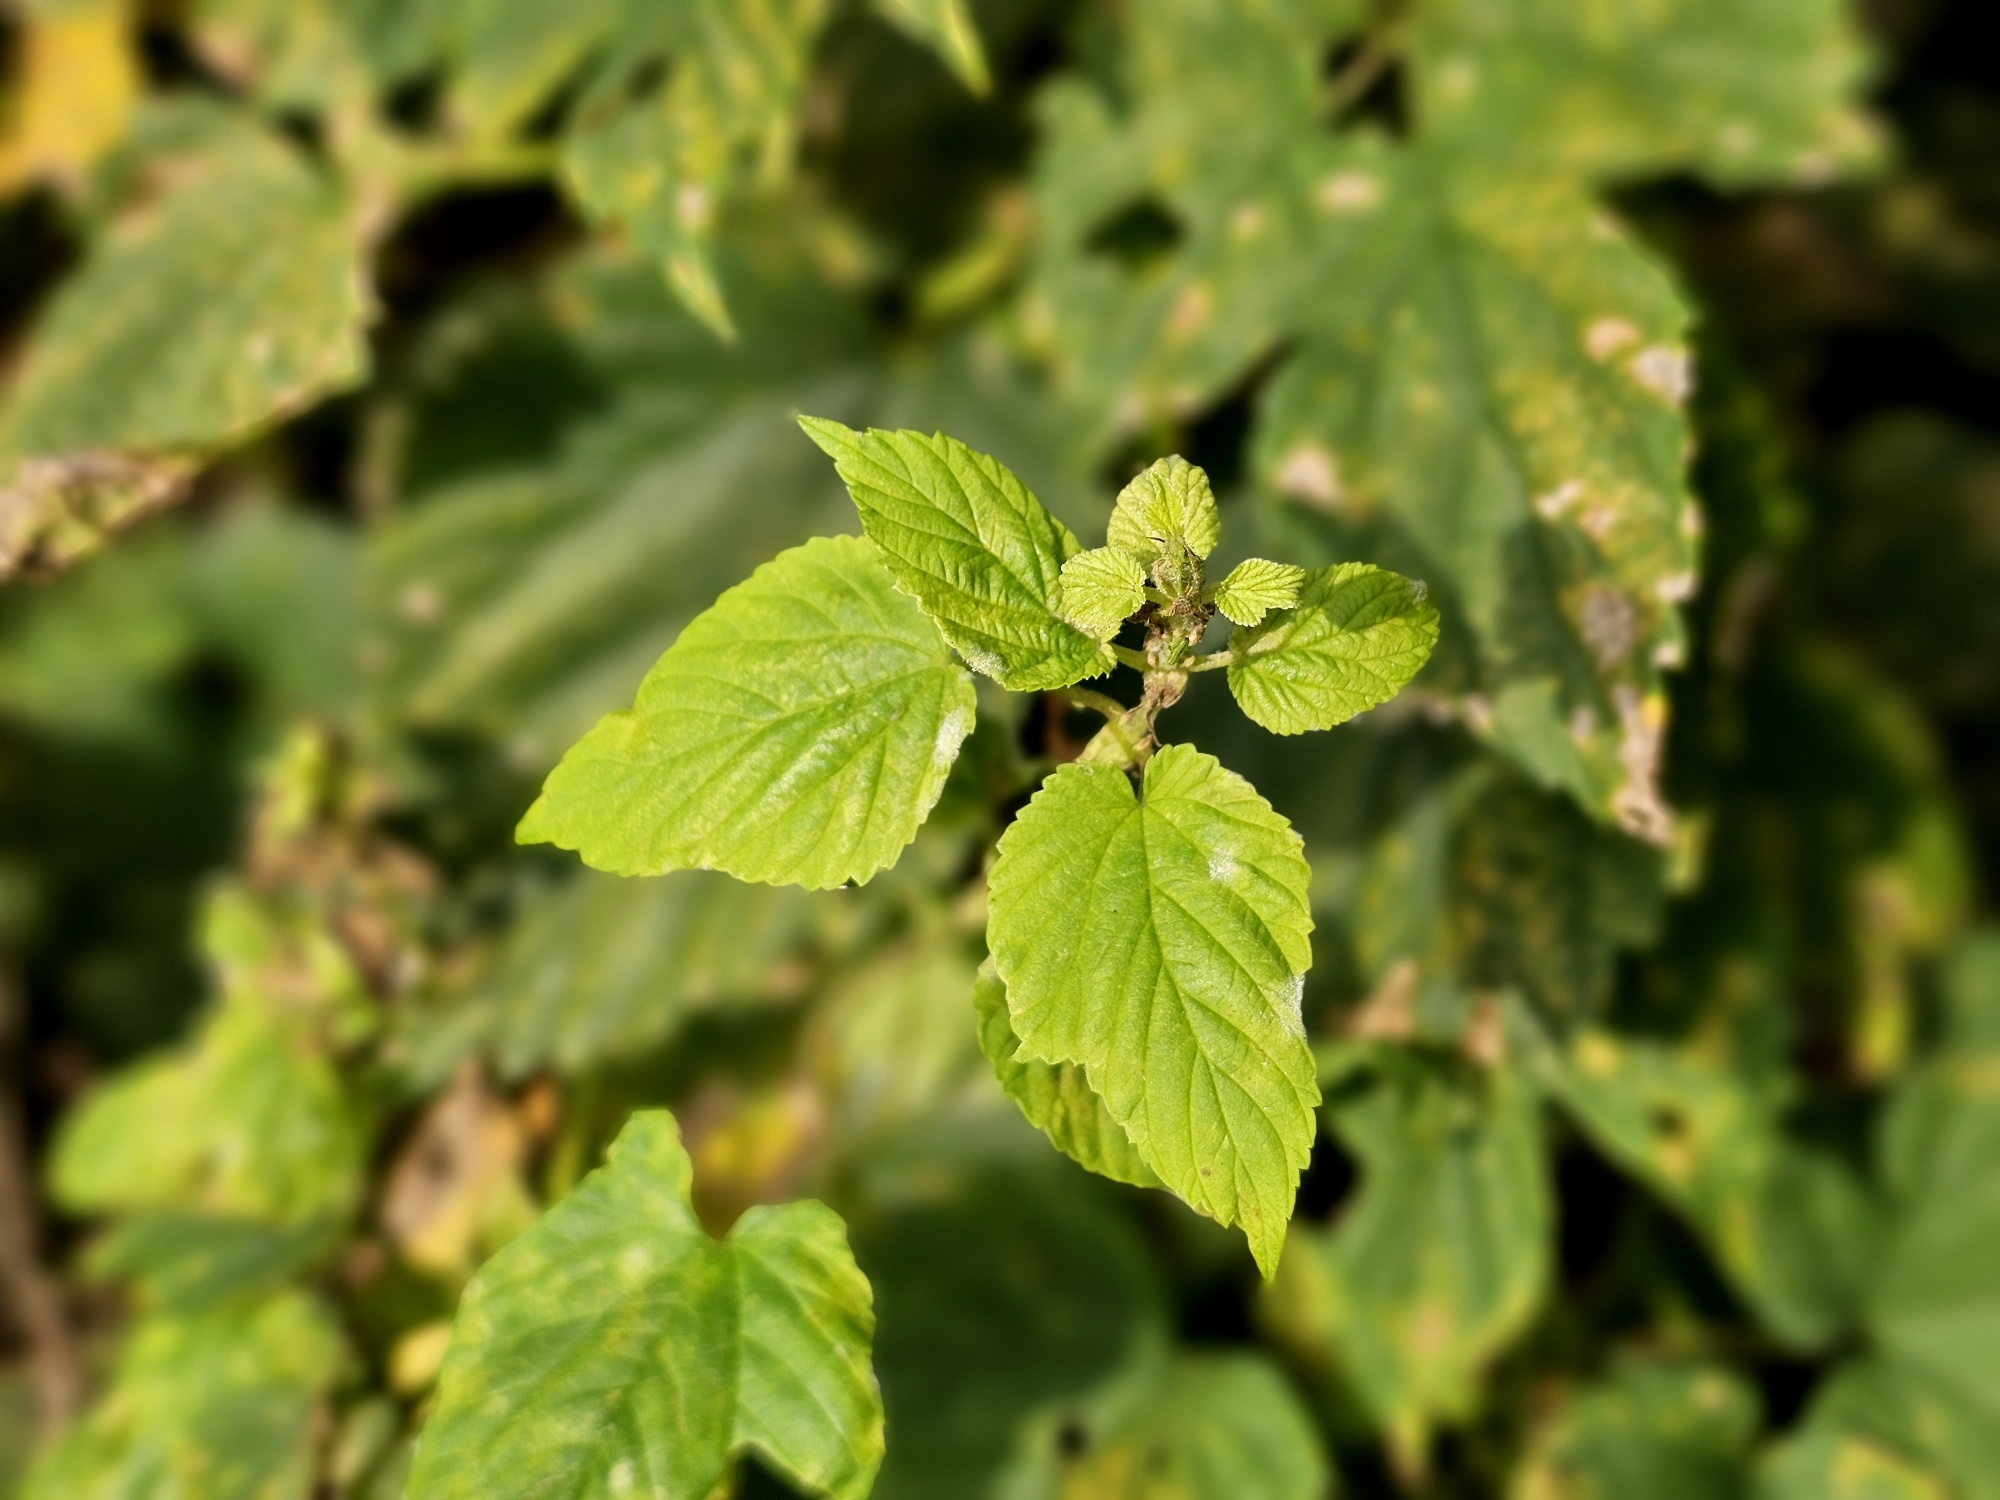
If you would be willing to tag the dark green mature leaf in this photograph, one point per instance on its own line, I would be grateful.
(616, 1349)
(1056, 1098)
(1823, 1465)
(1911, 1412)
(234, 302)
(1355, 637)
(1935, 1300)
(1442, 1258)
(1647, 1432)
(222, 1404)
(999, 1291)
(799, 732)
(973, 545)
(1161, 941)
(1740, 92)
(1498, 409)
(599, 967)
(1202, 1427)
(1788, 1223)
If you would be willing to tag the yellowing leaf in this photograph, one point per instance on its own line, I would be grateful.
(234, 302)
(78, 83)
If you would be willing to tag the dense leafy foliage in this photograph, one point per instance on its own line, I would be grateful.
(1035, 750)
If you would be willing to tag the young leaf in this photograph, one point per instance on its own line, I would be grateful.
(1162, 942)
(977, 550)
(1255, 587)
(1099, 589)
(1355, 637)
(796, 733)
(1056, 1097)
(1170, 504)
(616, 1349)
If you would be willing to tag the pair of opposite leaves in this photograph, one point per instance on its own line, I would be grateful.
(1154, 938)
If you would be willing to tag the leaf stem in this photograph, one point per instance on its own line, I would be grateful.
(1212, 661)
(1136, 660)
(1102, 703)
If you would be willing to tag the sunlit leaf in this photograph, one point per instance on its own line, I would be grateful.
(707, 1350)
(1167, 506)
(796, 733)
(1255, 587)
(1161, 941)
(1056, 1098)
(1099, 588)
(973, 545)
(1355, 637)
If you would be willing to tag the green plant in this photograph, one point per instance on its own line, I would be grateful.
(1571, 1075)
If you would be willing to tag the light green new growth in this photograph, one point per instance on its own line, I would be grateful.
(1144, 1005)
(1355, 637)
(616, 1349)
(975, 548)
(1255, 587)
(1170, 505)
(1056, 1097)
(1161, 940)
(1099, 589)
(797, 733)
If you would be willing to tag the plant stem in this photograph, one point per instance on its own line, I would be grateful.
(1136, 660)
(1102, 703)
(1212, 661)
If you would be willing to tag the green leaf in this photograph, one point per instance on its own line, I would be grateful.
(663, 167)
(798, 732)
(1166, 506)
(1161, 942)
(1646, 1432)
(1765, 91)
(1788, 1224)
(598, 968)
(1832, 1466)
(889, 1043)
(1443, 1257)
(183, 1262)
(975, 548)
(615, 1344)
(1099, 589)
(1356, 635)
(1935, 1300)
(1255, 587)
(225, 1404)
(1910, 1411)
(999, 1290)
(1495, 401)
(1056, 1098)
(1195, 1427)
(947, 26)
(235, 302)
(249, 1119)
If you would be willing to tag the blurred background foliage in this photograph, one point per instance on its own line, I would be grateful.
(390, 380)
